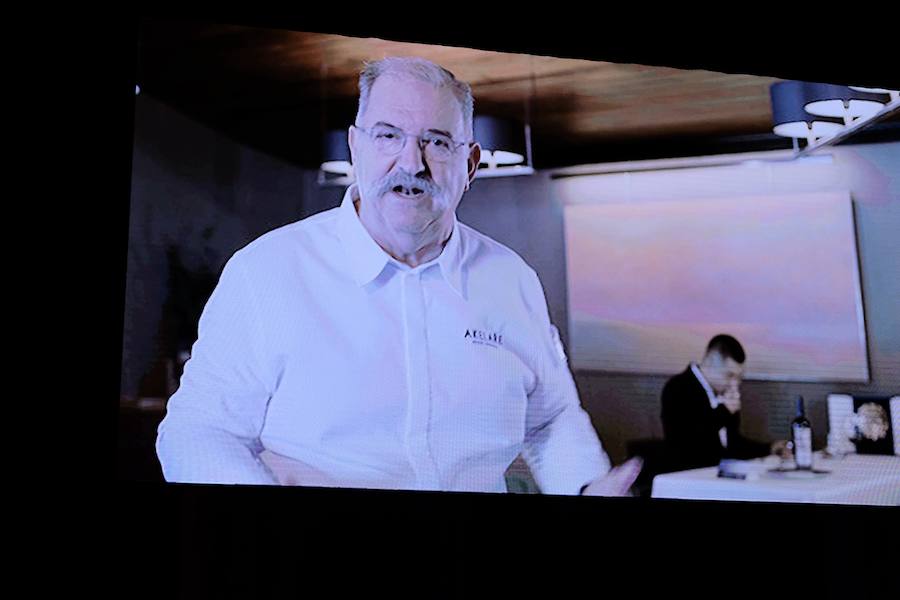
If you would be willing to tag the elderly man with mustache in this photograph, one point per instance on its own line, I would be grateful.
(383, 344)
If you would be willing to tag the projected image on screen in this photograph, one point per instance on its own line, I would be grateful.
(651, 282)
(329, 284)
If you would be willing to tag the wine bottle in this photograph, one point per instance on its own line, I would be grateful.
(801, 434)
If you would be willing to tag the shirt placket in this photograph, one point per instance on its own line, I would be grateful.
(418, 386)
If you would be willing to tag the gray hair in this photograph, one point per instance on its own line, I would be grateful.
(423, 70)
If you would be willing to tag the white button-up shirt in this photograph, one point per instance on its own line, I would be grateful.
(321, 352)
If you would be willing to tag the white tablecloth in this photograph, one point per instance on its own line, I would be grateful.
(853, 479)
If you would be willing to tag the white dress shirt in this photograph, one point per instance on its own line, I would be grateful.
(318, 349)
(713, 399)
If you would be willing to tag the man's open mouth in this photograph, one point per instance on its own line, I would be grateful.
(409, 192)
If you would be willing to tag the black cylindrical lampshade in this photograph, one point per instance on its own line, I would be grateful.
(830, 100)
(789, 116)
(504, 139)
(890, 95)
(335, 152)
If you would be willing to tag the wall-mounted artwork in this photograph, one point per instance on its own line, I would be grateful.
(649, 283)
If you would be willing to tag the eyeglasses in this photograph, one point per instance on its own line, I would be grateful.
(389, 141)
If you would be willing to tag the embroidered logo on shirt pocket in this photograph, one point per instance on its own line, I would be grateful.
(483, 337)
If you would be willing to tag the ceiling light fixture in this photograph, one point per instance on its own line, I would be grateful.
(823, 114)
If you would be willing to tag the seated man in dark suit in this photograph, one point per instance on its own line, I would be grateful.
(701, 410)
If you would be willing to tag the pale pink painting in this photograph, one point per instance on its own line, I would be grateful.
(650, 282)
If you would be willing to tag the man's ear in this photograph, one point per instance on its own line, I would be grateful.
(351, 141)
(474, 160)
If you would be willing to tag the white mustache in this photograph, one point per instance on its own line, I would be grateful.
(408, 181)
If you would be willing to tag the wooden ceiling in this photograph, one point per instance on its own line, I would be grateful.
(278, 89)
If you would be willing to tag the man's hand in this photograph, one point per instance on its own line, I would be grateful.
(617, 482)
(731, 399)
(780, 448)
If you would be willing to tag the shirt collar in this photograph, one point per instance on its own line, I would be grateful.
(708, 388)
(368, 259)
(450, 259)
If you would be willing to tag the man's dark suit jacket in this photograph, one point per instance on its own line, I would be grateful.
(691, 427)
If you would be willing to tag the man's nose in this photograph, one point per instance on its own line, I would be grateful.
(412, 157)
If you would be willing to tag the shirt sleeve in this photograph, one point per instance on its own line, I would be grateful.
(561, 446)
(210, 433)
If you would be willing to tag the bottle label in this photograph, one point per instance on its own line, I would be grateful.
(803, 447)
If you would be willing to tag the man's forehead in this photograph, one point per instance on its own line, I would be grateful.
(413, 104)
